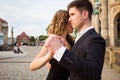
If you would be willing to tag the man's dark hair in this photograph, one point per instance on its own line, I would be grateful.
(82, 5)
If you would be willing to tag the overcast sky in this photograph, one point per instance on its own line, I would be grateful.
(30, 16)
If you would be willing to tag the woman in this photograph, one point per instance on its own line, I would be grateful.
(61, 27)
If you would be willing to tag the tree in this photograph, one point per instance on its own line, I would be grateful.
(74, 34)
(32, 40)
(42, 37)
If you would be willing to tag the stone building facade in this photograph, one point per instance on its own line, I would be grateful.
(4, 30)
(109, 28)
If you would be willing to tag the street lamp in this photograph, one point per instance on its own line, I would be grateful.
(96, 13)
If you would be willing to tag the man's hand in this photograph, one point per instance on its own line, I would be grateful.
(53, 43)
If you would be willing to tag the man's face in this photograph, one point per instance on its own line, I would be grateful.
(76, 18)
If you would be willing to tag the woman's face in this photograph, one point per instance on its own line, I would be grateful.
(69, 28)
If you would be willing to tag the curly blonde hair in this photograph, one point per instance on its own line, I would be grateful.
(58, 22)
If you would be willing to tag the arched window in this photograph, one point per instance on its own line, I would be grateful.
(117, 30)
(118, 27)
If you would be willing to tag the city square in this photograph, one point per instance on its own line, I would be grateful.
(21, 38)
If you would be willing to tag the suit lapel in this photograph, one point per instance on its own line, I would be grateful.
(81, 40)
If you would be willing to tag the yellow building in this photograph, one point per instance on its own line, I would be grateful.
(4, 31)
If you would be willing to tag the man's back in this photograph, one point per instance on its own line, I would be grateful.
(87, 63)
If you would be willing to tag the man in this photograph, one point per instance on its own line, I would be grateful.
(85, 60)
(18, 48)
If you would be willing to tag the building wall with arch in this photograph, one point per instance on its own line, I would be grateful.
(109, 16)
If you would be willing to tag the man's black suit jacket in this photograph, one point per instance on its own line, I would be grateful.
(85, 60)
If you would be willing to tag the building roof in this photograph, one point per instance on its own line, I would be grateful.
(23, 34)
(3, 21)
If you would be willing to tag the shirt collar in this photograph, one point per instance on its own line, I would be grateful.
(82, 32)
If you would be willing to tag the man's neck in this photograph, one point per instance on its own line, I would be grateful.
(85, 26)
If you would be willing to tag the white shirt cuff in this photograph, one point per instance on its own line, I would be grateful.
(58, 55)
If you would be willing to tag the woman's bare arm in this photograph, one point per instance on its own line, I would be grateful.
(41, 59)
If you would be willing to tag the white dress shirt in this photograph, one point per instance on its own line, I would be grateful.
(58, 55)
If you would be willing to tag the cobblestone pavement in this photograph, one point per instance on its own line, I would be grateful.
(110, 74)
(16, 66)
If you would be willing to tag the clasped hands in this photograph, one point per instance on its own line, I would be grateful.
(54, 43)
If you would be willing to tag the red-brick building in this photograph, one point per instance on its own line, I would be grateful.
(23, 38)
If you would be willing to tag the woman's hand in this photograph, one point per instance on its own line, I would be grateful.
(53, 43)
(48, 65)
(66, 44)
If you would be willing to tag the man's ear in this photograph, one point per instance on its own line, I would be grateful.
(85, 14)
